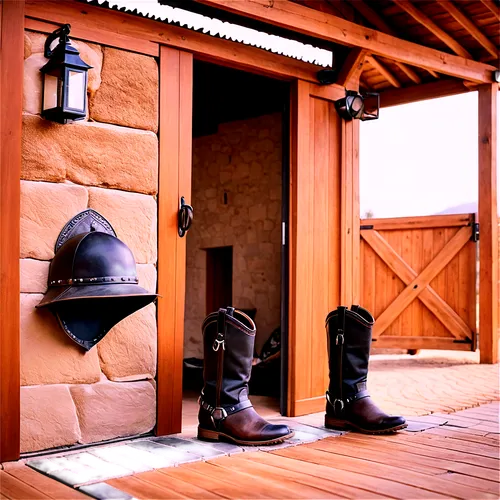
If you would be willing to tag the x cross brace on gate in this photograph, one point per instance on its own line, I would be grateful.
(417, 285)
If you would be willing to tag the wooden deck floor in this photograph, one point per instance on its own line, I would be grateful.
(457, 460)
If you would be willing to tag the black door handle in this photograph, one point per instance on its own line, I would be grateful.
(185, 218)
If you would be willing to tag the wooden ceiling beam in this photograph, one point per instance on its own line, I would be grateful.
(119, 29)
(384, 71)
(426, 21)
(378, 21)
(352, 68)
(432, 90)
(471, 28)
(493, 7)
(301, 19)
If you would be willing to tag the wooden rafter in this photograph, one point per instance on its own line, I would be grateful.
(376, 20)
(384, 71)
(432, 90)
(301, 19)
(493, 7)
(352, 68)
(426, 21)
(473, 30)
(429, 297)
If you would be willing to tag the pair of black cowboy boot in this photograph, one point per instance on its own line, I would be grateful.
(226, 413)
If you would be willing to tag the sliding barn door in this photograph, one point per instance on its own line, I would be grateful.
(324, 236)
(176, 95)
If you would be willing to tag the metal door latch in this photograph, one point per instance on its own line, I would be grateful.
(185, 218)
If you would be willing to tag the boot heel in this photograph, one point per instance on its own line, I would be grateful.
(335, 423)
(207, 435)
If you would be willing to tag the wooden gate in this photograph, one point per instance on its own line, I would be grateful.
(418, 277)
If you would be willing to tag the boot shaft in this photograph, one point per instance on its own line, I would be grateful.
(349, 334)
(228, 344)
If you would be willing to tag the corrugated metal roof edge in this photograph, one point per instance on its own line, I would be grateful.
(151, 9)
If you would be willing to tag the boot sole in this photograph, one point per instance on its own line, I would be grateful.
(344, 425)
(208, 435)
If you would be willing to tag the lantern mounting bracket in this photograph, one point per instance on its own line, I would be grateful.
(84, 222)
(61, 33)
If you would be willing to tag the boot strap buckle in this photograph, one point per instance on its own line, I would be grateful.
(335, 402)
(218, 341)
(338, 401)
(217, 415)
(340, 337)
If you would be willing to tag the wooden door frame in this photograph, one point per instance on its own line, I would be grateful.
(11, 92)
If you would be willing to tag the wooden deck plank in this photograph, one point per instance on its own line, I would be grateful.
(220, 488)
(13, 488)
(264, 488)
(44, 484)
(447, 442)
(257, 463)
(171, 483)
(299, 489)
(430, 485)
(405, 459)
(142, 489)
(488, 441)
(425, 449)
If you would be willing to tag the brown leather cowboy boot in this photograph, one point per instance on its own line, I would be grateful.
(226, 413)
(349, 335)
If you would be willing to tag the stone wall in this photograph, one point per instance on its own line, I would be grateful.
(108, 162)
(243, 160)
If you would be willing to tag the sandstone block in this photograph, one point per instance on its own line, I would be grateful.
(89, 153)
(37, 41)
(27, 46)
(92, 55)
(257, 212)
(147, 276)
(34, 275)
(133, 217)
(45, 208)
(48, 355)
(128, 352)
(48, 418)
(128, 94)
(32, 84)
(110, 409)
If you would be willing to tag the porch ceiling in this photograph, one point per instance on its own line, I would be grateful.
(469, 29)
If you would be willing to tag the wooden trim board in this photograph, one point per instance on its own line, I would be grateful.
(176, 80)
(126, 31)
(11, 84)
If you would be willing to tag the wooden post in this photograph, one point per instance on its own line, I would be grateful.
(488, 220)
(176, 89)
(11, 92)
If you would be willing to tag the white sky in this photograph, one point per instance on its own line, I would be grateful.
(420, 158)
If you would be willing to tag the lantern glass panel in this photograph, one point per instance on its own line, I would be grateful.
(51, 92)
(76, 90)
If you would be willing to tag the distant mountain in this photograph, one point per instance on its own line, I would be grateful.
(464, 208)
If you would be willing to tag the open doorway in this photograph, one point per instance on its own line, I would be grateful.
(237, 245)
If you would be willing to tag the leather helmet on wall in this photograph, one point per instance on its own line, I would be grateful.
(93, 285)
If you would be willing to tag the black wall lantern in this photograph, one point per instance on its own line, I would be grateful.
(64, 96)
(359, 106)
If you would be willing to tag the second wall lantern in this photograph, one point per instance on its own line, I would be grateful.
(64, 96)
(358, 106)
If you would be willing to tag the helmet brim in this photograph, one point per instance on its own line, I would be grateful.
(60, 294)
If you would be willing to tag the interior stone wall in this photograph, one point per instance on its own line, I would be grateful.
(108, 162)
(243, 160)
